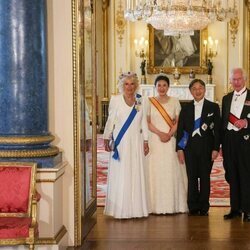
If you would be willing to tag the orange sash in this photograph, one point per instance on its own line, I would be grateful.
(162, 111)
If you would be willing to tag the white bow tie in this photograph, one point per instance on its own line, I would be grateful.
(197, 103)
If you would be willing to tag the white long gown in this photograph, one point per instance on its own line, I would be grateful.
(167, 177)
(126, 192)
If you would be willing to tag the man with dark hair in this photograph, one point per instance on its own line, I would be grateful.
(236, 144)
(198, 144)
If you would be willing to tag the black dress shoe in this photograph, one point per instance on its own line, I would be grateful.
(203, 213)
(193, 213)
(246, 217)
(231, 215)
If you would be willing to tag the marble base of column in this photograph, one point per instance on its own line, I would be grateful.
(30, 148)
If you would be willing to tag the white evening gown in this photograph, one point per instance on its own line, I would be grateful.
(167, 177)
(126, 192)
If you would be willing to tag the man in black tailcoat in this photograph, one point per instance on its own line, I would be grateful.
(236, 144)
(198, 144)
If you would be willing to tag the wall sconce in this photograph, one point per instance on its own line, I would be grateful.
(141, 47)
(210, 47)
(141, 50)
(211, 51)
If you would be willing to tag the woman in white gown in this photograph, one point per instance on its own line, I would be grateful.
(167, 178)
(126, 193)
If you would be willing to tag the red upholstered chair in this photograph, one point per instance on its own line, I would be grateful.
(18, 204)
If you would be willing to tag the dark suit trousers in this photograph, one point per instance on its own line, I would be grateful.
(236, 154)
(199, 165)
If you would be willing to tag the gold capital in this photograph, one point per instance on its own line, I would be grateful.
(105, 4)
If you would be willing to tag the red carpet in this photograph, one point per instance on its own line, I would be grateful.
(219, 187)
(219, 195)
(102, 170)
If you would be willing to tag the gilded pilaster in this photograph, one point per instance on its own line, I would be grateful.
(105, 99)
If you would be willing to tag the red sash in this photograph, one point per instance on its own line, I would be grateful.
(233, 119)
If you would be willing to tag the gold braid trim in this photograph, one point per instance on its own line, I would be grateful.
(29, 153)
(26, 139)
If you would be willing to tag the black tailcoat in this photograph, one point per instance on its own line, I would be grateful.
(198, 151)
(236, 155)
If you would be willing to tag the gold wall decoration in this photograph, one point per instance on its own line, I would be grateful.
(120, 22)
(248, 4)
(105, 4)
(27, 139)
(47, 152)
(105, 99)
(234, 25)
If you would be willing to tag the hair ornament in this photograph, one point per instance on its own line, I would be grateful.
(122, 78)
(163, 77)
(127, 74)
(162, 74)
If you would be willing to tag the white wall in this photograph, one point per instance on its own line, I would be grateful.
(61, 98)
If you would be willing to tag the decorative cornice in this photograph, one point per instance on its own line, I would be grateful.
(52, 151)
(26, 140)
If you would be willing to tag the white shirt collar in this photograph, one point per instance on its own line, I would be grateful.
(240, 92)
(199, 103)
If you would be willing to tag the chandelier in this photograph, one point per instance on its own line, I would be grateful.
(177, 17)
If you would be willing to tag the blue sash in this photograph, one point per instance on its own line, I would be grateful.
(183, 141)
(123, 130)
(197, 123)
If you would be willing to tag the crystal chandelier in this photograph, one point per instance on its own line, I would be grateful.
(177, 17)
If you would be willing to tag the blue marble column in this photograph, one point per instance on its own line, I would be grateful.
(24, 83)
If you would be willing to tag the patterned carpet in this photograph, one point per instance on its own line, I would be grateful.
(219, 194)
(219, 187)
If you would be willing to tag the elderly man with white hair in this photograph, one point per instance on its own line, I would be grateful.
(236, 144)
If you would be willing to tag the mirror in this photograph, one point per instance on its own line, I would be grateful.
(86, 95)
(84, 115)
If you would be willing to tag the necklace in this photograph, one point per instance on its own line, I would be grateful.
(129, 101)
(238, 95)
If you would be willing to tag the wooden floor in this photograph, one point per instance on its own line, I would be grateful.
(160, 232)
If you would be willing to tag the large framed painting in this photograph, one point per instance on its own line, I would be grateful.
(184, 51)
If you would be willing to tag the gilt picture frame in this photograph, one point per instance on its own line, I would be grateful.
(167, 52)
